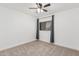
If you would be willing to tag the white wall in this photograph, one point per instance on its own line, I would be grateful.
(67, 28)
(15, 28)
(45, 35)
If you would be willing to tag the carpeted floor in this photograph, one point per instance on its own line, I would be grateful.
(39, 48)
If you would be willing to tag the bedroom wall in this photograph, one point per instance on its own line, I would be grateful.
(15, 28)
(66, 29)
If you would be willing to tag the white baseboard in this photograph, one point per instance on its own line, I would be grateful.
(11, 46)
(66, 46)
(62, 45)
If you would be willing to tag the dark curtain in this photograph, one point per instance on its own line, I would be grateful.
(52, 30)
(37, 30)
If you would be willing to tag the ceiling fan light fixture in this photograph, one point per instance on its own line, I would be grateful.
(39, 10)
(40, 7)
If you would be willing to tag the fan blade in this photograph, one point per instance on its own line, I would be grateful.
(47, 5)
(45, 10)
(40, 4)
(37, 5)
(32, 8)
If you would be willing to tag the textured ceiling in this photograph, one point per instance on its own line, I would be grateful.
(55, 7)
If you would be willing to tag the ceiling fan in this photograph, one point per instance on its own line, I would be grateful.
(40, 7)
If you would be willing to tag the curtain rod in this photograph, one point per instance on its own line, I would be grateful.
(45, 17)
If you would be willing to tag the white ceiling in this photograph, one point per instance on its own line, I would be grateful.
(55, 7)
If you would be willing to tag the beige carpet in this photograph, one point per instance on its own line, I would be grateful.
(39, 48)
